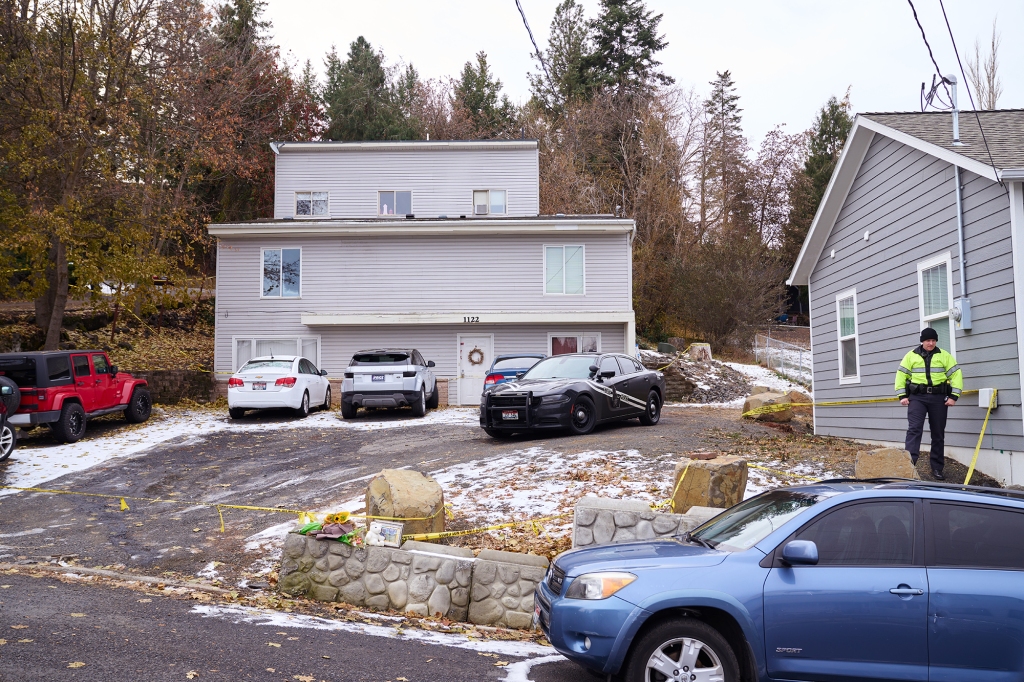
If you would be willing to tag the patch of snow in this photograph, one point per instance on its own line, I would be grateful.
(242, 615)
(209, 571)
(520, 671)
(34, 531)
(34, 464)
(762, 376)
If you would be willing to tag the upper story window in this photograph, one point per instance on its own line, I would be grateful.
(489, 202)
(311, 203)
(564, 271)
(282, 273)
(393, 202)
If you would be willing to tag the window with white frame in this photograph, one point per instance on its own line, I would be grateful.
(587, 342)
(394, 202)
(311, 204)
(564, 271)
(849, 354)
(489, 202)
(282, 273)
(247, 348)
(935, 287)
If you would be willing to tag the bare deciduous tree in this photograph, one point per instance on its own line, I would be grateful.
(984, 75)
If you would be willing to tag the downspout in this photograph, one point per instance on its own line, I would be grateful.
(961, 310)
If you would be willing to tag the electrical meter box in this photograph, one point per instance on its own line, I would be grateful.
(961, 313)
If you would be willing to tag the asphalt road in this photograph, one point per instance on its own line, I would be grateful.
(123, 638)
(49, 627)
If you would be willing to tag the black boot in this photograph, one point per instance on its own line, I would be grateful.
(937, 475)
(913, 458)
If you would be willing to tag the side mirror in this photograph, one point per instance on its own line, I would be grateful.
(430, 363)
(113, 370)
(323, 372)
(519, 375)
(608, 374)
(594, 369)
(800, 553)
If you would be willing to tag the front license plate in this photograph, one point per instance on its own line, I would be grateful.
(259, 385)
(377, 377)
(510, 414)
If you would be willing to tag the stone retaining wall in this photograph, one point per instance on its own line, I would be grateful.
(601, 521)
(420, 579)
(503, 585)
(170, 386)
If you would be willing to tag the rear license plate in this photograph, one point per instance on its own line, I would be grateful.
(377, 377)
(259, 385)
(510, 414)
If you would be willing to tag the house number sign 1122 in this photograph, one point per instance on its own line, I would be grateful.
(471, 319)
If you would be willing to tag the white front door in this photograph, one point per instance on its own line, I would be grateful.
(475, 357)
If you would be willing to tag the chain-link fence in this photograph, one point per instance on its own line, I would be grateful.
(789, 360)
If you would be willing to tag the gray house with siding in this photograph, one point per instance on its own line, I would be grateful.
(437, 246)
(896, 247)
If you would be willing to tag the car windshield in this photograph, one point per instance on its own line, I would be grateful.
(264, 365)
(751, 521)
(516, 363)
(563, 367)
(380, 359)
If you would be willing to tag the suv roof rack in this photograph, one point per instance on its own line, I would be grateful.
(894, 482)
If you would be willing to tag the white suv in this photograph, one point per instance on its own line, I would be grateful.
(388, 378)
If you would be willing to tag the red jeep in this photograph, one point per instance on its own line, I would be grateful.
(63, 389)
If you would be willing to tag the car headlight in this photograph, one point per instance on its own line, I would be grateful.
(555, 398)
(598, 585)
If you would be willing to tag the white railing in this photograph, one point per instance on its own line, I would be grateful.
(791, 361)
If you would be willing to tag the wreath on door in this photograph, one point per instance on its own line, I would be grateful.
(476, 357)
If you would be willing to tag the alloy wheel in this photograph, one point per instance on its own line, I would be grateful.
(6, 441)
(684, 658)
(76, 422)
(582, 414)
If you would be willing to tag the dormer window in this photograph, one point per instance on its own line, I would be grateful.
(394, 202)
(311, 204)
(489, 202)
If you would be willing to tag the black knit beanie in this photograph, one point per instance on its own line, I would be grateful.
(929, 333)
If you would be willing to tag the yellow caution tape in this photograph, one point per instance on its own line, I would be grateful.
(779, 407)
(984, 425)
(304, 516)
(780, 472)
(483, 529)
(672, 500)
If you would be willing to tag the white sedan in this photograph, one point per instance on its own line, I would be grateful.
(288, 381)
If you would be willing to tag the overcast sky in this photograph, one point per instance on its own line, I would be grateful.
(786, 56)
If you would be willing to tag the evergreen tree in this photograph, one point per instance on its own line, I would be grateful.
(569, 43)
(361, 100)
(625, 37)
(722, 180)
(825, 142)
(477, 91)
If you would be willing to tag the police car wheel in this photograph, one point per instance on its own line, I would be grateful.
(652, 412)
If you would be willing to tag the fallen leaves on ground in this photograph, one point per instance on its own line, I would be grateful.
(192, 674)
(76, 664)
(274, 644)
(78, 615)
(18, 627)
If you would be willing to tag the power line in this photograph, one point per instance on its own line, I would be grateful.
(540, 57)
(969, 96)
(925, 39)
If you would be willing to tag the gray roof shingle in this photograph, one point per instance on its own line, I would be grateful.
(1004, 131)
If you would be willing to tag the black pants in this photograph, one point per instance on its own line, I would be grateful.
(933, 405)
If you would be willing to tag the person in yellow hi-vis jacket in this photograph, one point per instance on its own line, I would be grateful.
(928, 381)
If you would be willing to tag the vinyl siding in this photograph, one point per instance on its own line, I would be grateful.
(906, 199)
(469, 274)
(441, 181)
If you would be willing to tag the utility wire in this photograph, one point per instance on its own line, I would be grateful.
(969, 96)
(540, 56)
(925, 39)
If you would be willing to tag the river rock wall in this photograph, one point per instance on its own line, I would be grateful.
(602, 521)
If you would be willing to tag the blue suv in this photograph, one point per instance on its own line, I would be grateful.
(885, 579)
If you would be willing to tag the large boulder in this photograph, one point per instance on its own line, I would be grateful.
(768, 407)
(885, 463)
(719, 481)
(407, 494)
